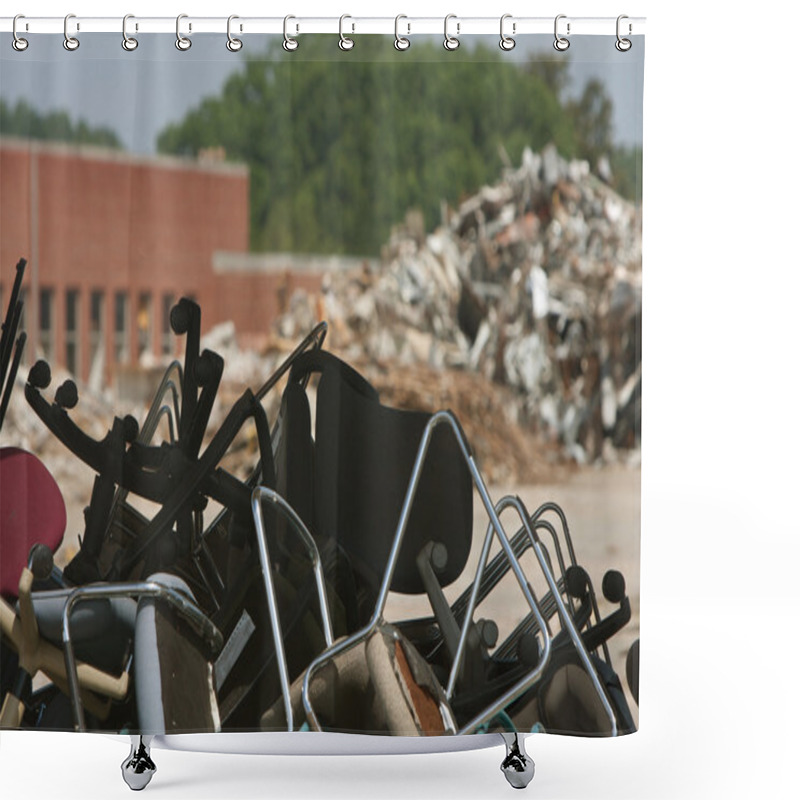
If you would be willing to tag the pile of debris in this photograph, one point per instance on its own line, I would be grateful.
(533, 284)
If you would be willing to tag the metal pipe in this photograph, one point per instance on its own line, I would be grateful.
(316, 337)
(566, 622)
(150, 424)
(196, 618)
(502, 504)
(440, 417)
(261, 493)
(499, 566)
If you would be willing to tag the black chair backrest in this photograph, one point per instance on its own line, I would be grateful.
(362, 457)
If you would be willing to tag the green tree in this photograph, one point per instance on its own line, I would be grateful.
(626, 169)
(23, 120)
(340, 147)
(591, 115)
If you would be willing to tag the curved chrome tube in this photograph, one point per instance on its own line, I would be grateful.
(157, 410)
(196, 618)
(167, 384)
(263, 493)
(534, 675)
(567, 623)
(447, 418)
(315, 338)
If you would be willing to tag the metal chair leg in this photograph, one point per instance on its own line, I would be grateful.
(138, 768)
(518, 766)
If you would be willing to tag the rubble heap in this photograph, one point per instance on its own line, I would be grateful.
(533, 284)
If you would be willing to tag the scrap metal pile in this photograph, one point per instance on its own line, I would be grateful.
(256, 602)
(533, 284)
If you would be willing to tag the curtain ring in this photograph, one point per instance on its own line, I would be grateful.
(182, 42)
(561, 43)
(400, 42)
(18, 43)
(129, 43)
(623, 45)
(345, 43)
(289, 44)
(233, 44)
(70, 42)
(451, 42)
(507, 42)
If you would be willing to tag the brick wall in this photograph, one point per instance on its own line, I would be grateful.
(106, 233)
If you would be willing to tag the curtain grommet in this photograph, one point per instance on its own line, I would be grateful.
(622, 44)
(401, 43)
(451, 42)
(129, 43)
(233, 44)
(561, 43)
(18, 43)
(71, 43)
(183, 43)
(507, 42)
(290, 44)
(345, 42)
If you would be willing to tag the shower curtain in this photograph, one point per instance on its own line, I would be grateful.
(321, 396)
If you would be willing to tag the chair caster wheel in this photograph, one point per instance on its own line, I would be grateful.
(138, 768)
(518, 766)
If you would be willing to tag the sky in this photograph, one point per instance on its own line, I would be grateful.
(135, 96)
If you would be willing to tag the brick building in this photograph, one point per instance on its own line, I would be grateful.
(113, 240)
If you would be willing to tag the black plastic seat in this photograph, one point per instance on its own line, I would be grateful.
(349, 482)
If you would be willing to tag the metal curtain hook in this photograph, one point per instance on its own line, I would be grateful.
(345, 43)
(233, 44)
(451, 42)
(401, 42)
(129, 43)
(18, 43)
(623, 45)
(289, 44)
(70, 42)
(181, 41)
(561, 43)
(507, 42)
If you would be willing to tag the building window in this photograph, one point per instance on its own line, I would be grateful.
(71, 331)
(167, 336)
(121, 351)
(47, 328)
(144, 324)
(97, 338)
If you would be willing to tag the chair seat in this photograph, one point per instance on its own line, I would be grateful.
(101, 629)
(32, 511)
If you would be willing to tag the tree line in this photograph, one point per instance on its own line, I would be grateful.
(340, 147)
(56, 126)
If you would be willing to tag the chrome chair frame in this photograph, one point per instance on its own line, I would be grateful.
(263, 493)
(495, 527)
(196, 618)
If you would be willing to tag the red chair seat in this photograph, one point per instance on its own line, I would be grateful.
(32, 511)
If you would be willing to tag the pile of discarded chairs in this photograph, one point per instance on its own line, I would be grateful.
(258, 602)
